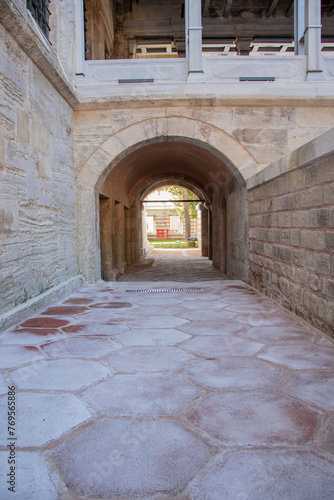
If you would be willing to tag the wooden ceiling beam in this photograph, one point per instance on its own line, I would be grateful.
(290, 9)
(272, 8)
(227, 9)
(206, 6)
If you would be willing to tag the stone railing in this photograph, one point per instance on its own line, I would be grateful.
(108, 78)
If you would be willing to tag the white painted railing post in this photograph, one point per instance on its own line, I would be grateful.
(194, 36)
(299, 29)
(313, 36)
(79, 38)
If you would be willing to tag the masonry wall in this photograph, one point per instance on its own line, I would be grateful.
(37, 214)
(291, 229)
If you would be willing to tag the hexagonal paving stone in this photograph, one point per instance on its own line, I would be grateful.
(147, 394)
(256, 419)
(156, 311)
(85, 347)
(31, 478)
(157, 322)
(205, 295)
(148, 359)
(44, 322)
(214, 346)
(147, 337)
(213, 327)
(95, 328)
(148, 300)
(253, 308)
(314, 387)
(208, 315)
(65, 310)
(204, 304)
(43, 417)
(274, 319)
(113, 305)
(66, 374)
(300, 356)
(131, 458)
(103, 315)
(31, 336)
(234, 373)
(284, 475)
(78, 301)
(14, 355)
(280, 334)
(328, 444)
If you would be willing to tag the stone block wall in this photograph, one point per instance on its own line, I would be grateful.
(291, 237)
(37, 195)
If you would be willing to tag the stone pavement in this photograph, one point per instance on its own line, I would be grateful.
(174, 267)
(207, 391)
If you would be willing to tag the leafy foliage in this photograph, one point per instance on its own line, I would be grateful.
(176, 191)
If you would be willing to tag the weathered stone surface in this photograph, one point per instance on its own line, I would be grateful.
(212, 328)
(30, 336)
(329, 441)
(147, 337)
(37, 177)
(94, 328)
(140, 458)
(148, 359)
(300, 357)
(85, 347)
(281, 474)
(228, 373)
(313, 387)
(228, 418)
(60, 374)
(42, 418)
(222, 345)
(280, 334)
(32, 470)
(141, 395)
(12, 355)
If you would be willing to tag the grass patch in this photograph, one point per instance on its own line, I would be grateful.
(173, 244)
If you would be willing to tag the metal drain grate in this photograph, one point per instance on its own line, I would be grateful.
(164, 290)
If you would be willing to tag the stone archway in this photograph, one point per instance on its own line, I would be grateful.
(172, 133)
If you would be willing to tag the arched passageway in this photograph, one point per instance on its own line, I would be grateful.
(117, 177)
(223, 217)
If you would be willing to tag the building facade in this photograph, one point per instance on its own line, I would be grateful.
(104, 101)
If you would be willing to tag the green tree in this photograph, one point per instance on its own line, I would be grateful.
(186, 211)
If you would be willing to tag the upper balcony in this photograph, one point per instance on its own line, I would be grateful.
(146, 48)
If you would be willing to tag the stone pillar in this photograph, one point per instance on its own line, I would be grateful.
(199, 225)
(299, 28)
(88, 234)
(194, 36)
(222, 235)
(79, 38)
(313, 36)
(108, 272)
(136, 233)
(210, 235)
(127, 239)
(119, 237)
(205, 231)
